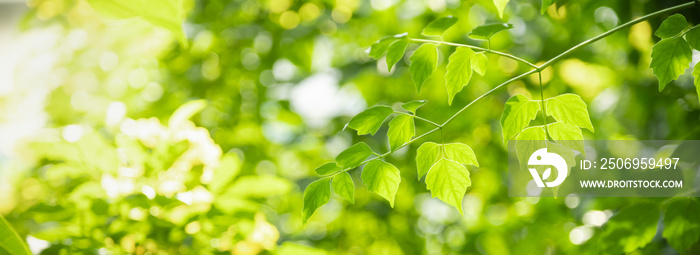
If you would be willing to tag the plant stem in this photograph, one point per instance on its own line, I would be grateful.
(419, 118)
(476, 48)
(544, 111)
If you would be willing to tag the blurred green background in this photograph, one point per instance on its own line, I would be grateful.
(118, 136)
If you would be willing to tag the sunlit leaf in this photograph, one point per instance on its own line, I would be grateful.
(423, 63)
(413, 105)
(500, 6)
(479, 63)
(517, 114)
(380, 47)
(439, 26)
(459, 71)
(528, 141)
(327, 169)
(567, 135)
(485, 32)
(426, 155)
(318, 193)
(631, 228)
(460, 153)
(401, 129)
(370, 120)
(353, 156)
(570, 109)
(344, 187)
(672, 26)
(693, 37)
(448, 180)
(395, 52)
(696, 76)
(669, 59)
(682, 223)
(10, 241)
(382, 178)
(228, 169)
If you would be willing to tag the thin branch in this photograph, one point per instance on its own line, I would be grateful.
(419, 118)
(476, 48)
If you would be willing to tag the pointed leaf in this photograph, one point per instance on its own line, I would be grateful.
(517, 114)
(669, 59)
(460, 153)
(370, 120)
(413, 105)
(328, 168)
(448, 180)
(682, 223)
(693, 37)
(380, 47)
(459, 71)
(423, 64)
(401, 129)
(439, 26)
(500, 6)
(344, 187)
(528, 141)
(570, 109)
(382, 178)
(567, 135)
(485, 32)
(395, 52)
(353, 156)
(479, 63)
(672, 26)
(318, 193)
(426, 156)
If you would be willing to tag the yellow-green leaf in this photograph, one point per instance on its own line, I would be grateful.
(485, 32)
(423, 64)
(479, 63)
(461, 153)
(413, 105)
(517, 114)
(570, 109)
(669, 59)
(344, 187)
(353, 156)
(682, 223)
(10, 241)
(318, 193)
(567, 135)
(401, 129)
(500, 6)
(328, 168)
(382, 178)
(693, 37)
(395, 52)
(370, 120)
(672, 26)
(459, 71)
(439, 26)
(448, 180)
(696, 76)
(426, 155)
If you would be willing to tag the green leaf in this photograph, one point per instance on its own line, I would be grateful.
(382, 178)
(10, 241)
(672, 26)
(401, 129)
(669, 59)
(413, 105)
(682, 223)
(448, 180)
(380, 47)
(546, 4)
(479, 63)
(461, 153)
(485, 32)
(693, 37)
(439, 26)
(570, 109)
(370, 120)
(517, 114)
(423, 63)
(318, 193)
(328, 168)
(696, 76)
(426, 155)
(395, 52)
(186, 111)
(632, 228)
(167, 14)
(344, 187)
(567, 135)
(500, 6)
(459, 71)
(528, 141)
(353, 156)
(229, 168)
